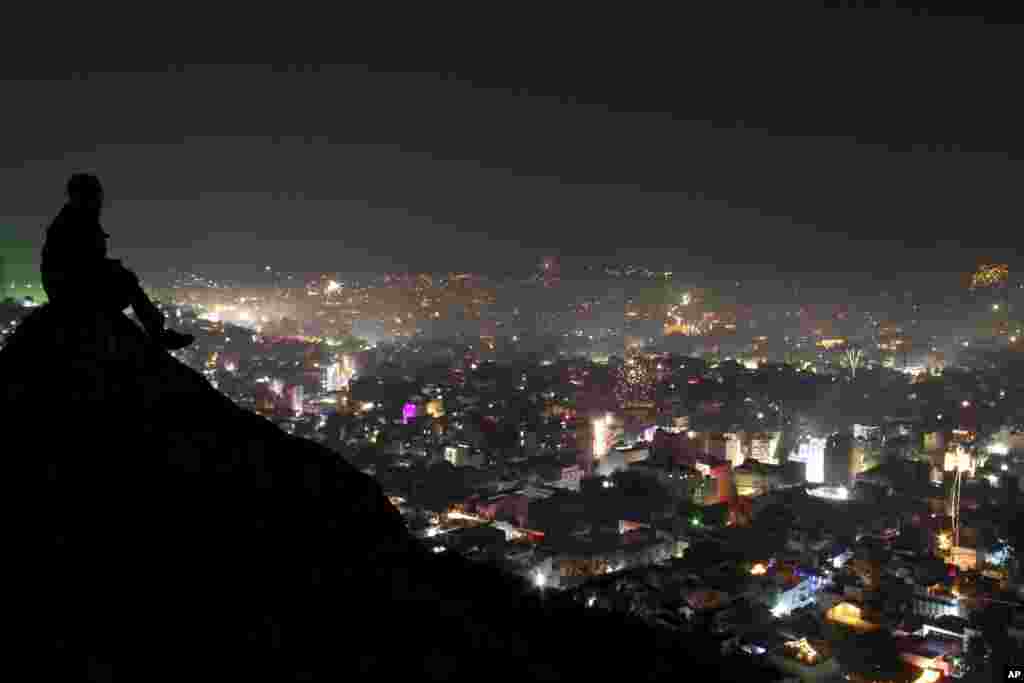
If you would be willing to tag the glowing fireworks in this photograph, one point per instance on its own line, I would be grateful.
(636, 379)
(990, 275)
(853, 358)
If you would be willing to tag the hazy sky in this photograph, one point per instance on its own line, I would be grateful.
(595, 143)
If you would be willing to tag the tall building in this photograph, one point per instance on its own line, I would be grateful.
(294, 399)
(330, 378)
(811, 452)
(764, 447)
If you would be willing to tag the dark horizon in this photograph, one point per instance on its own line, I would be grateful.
(853, 143)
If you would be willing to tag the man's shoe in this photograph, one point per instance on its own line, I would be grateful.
(173, 340)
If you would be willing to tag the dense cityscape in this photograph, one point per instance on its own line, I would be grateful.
(626, 343)
(781, 476)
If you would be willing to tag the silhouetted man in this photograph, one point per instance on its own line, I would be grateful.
(77, 272)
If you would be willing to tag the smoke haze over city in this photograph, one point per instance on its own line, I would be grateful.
(462, 342)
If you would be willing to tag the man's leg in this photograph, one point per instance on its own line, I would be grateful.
(148, 314)
(129, 293)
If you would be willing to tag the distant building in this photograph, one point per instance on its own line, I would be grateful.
(464, 455)
(588, 557)
(764, 447)
(755, 479)
(867, 432)
(932, 602)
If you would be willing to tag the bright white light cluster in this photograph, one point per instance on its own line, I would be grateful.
(830, 492)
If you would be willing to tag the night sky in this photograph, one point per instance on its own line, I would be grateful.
(751, 145)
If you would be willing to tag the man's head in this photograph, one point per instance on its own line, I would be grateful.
(85, 191)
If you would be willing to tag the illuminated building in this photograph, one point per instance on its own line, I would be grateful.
(602, 436)
(958, 458)
(932, 602)
(811, 452)
(435, 408)
(734, 450)
(851, 615)
(764, 447)
(866, 432)
(277, 387)
(330, 378)
(754, 479)
(295, 397)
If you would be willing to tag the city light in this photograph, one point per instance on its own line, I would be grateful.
(850, 615)
(928, 676)
(803, 651)
(990, 275)
(602, 435)
(830, 492)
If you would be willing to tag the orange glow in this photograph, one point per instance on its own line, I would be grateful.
(849, 615)
(831, 343)
(758, 569)
(803, 651)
